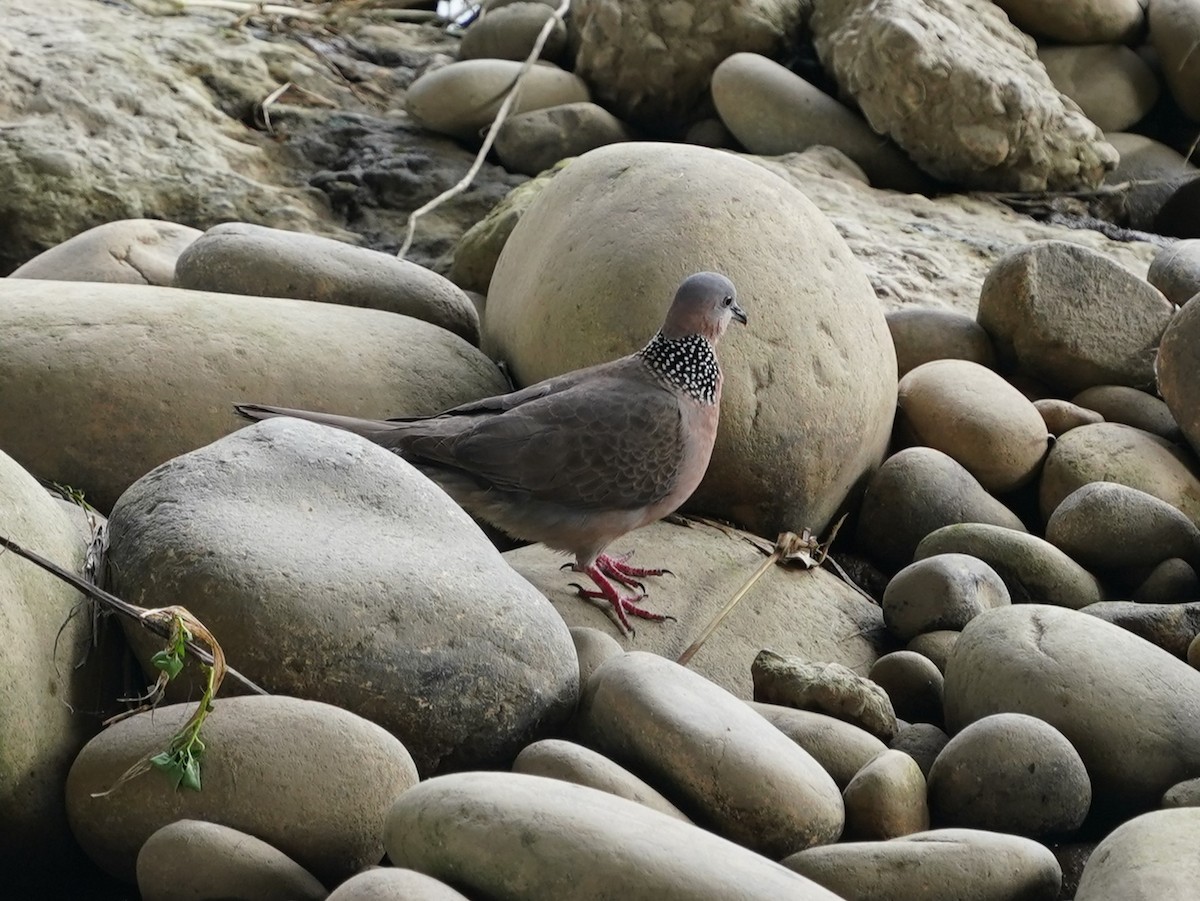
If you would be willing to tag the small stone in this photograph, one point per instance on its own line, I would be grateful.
(841, 748)
(1170, 582)
(772, 110)
(1108, 526)
(913, 684)
(593, 647)
(129, 251)
(1072, 317)
(886, 799)
(1175, 271)
(726, 766)
(1010, 773)
(1061, 416)
(556, 759)
(462, 99)
(195, 859)
(936, 645)
(826, 688)
(1129, 406)
(916, 492)
(939, 865)
(533, 142)
(923, 334)
(975, 416)
(923, 742)
(941, 592)
(509, 32)
(1033, 570)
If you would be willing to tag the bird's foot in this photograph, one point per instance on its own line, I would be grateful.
(616, 567)
(623, 606)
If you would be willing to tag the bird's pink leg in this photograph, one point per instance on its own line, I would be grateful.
(622, 605)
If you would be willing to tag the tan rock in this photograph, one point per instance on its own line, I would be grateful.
(1129, 406)
(394, 884)
(886, 799)
(1061, 416)
(1174, 31)
(533, 142)
(923, 334)
(975, 416)
(1146, 858)
(941, 592)
(1178, 371)
(1079, 21)
(913, 684)
(561, 298)
(509, 32)
(840, 747)
(129, 251)
(1176, 270)
(1112, 85)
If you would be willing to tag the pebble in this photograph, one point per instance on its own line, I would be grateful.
(394, 884)
(1112, 84)
(975, 416)
(922, 742)
(1129, 406)
(913, 683)
(510, 835)
(1079, 21)
(938, 644)
(941, 592)
(1147, 858)
(510, 31)
(1010, 773)
(840, 747)
(533, 142)
(1061, 416)
(1072, 317)
(725, 766)
(1175, 271)
(886, 799)
(924, 334)
(1174, 32)
(1179, 372)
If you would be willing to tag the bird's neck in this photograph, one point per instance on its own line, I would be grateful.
(688, 364)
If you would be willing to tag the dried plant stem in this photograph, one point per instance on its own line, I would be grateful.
(490, 138)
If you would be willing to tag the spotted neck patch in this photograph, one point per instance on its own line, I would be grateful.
(687, 363)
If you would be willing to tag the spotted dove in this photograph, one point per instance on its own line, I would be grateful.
(578, 460)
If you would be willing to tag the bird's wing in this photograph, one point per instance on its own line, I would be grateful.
(499, 403)
(605, 442)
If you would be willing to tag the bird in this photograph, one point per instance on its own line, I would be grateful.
(578, 460)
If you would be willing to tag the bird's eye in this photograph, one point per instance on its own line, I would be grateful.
(727, 301)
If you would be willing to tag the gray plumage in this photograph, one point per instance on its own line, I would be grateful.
(580, 459)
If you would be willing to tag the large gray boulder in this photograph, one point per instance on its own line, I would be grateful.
(331, 569)
(102, 382)
(810, 385)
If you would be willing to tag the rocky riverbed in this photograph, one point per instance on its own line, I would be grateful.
(954, 497)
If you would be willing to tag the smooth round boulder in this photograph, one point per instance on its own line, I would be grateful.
(311, 780)
(1072, 317)
(1010, 773)
(1179, 370)
(1112, 84)
(240, 258)
(923, 334)
(939, 865)
(913, 683)
(936, 645)
(128, 251)
(916, 492)
(968, 412)
(171, 390)
(841, 748)
(379, 593)
(942, 592)
(725, 766)
(462, 99)
(805, 612)
(557, 759)
(510, 835)
(1034, 571)
(1107, 526)
(593, 647)
(1175, 270)
(192, 859)
(394, 884)
(579, 281)
(771, 111)
(886, 799)
(1149, 858)
(1096, 683)
(1111, 452)
(1131, 407)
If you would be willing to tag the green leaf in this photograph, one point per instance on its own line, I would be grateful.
(169, 662)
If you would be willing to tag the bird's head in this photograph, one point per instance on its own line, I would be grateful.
(703, 305)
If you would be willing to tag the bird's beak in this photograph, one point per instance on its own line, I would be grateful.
(738, 313)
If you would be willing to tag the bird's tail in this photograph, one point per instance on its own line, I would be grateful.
(368, 428)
